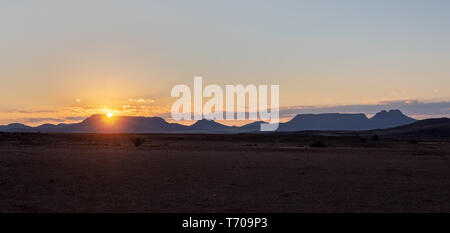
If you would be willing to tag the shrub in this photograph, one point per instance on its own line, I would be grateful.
(318, 144)
(137, 140)
(363, 140)
(413, 142)
(375, 138)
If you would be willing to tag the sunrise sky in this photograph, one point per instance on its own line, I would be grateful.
(62, 61)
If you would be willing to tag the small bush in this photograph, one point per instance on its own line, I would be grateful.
(137, 140)
(363, 140)
(375, 138)
(413, 142)
(318, 144)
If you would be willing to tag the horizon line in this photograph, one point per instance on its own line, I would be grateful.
(218, 121)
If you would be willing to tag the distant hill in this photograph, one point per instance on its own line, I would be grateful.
(439, 127)
(208, 125)
(389, 119)
(254, 126)
(124, 124)
(326, 121)
(15, 127)
(339, 121)
(301, 122)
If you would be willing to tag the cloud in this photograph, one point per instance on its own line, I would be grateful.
(43, 119)
(142, 100)
(74, 118)
(36, 111)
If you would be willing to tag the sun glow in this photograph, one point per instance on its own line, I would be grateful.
(109, 114)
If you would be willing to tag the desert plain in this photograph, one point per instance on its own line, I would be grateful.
(269, 173)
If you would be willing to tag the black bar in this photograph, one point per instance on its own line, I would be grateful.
(275, 222)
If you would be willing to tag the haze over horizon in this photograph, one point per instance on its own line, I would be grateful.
(64, 61)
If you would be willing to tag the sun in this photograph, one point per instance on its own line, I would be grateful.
(109, 114)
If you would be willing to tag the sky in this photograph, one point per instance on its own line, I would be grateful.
(61, 61)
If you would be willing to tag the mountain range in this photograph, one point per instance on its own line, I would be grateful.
(303, 122)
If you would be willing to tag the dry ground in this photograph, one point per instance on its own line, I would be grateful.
(222, 173)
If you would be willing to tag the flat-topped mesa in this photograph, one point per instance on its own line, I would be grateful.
(330, 116)
(346, 121)
(326, 121)
(120, 124)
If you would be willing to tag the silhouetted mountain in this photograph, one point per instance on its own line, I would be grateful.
(15, 127)
(48, 128)
(254, 126)
(207, 125)
(124, 124)
(326, 121)
(439, 127)
(339, 121)
(210, 126)
(302, 122)
(389, 119)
